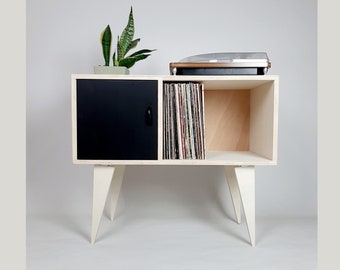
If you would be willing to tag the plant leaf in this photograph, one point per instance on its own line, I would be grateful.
(106, 38)
(130, 61)
(141, 52)
(133, 44)
(126, 37)
(116, 57)
(114, 60)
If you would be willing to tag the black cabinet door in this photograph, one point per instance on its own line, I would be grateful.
(116, 119)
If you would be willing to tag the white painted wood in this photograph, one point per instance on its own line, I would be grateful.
(246, 183)
(234, 191)
(241, 181)
(102, 177)
(115, 188)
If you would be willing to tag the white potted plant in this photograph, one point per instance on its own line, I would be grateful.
(121, 62)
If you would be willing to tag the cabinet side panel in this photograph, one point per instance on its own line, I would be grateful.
(74, 119)
(227, 114)
(262, 121)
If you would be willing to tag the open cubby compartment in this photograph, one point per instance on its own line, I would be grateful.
(182, 138)
(241, 119)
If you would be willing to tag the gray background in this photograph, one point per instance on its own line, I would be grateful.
(63, 38)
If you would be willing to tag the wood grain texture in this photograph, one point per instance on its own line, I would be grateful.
(227, 114)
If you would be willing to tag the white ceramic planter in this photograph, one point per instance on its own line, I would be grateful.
(110, 70)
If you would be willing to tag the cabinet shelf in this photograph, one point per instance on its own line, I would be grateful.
(225, 158)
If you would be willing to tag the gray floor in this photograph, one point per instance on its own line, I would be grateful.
(165, 241)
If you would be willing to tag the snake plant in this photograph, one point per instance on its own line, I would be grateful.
(125, 43)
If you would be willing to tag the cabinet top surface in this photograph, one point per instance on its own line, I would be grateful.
(210, 82)
(179, 77)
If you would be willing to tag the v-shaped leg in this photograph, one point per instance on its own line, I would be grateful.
(245, 179)
(115, 188)
(102, 181)
(234, 191)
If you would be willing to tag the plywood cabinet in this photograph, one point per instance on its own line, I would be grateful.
(118, 120)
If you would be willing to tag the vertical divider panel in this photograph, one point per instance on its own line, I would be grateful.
(205, 149)
(160, 119)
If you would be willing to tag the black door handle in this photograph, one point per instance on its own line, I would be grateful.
(148, 116)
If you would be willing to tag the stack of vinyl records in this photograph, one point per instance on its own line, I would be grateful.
(183, 121)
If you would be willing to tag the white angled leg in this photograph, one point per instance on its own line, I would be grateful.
(246, 182)
(102, 177)
(115, 188)
(234, 190)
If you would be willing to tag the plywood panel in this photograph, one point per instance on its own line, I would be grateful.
(263, 132)
(227, 114)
